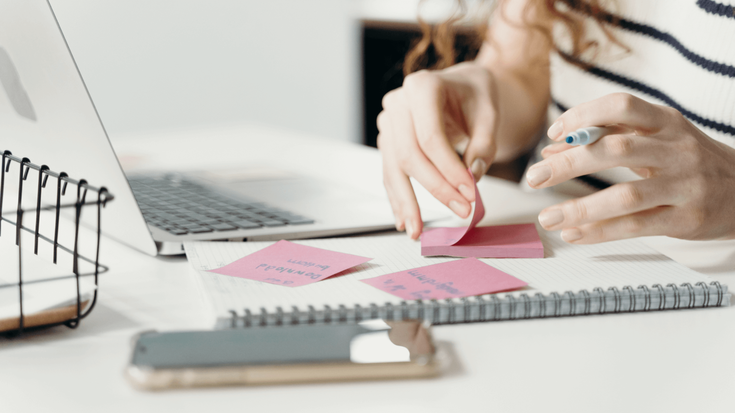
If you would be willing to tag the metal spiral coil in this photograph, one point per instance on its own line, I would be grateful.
(704, 288)
(263, 317)
(248, 318)
(557, 304)
(661, 296)
(618, 299)
(542, 304)
(586, 295)
(496, 307)
(511, 306)
(690, 289)
(677, 295)
(646, 297)
(603, 301)
(492, 307)
(631, 296)
(572, 302)
(526, 306)
(720, 292)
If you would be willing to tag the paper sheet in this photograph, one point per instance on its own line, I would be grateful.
(567, 268)
(506, 241)
(454, 279)
(292, 265)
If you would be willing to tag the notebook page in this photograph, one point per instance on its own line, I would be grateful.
(566, 268)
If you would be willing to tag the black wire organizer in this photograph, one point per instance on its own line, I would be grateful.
(15, 170)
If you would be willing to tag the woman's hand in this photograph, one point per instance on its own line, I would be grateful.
(421, 126)
(688, 190)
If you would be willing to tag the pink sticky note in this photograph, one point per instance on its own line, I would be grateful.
(289, 264)
(505, 241)
(453, 279)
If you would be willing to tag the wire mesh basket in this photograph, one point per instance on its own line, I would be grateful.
(49, 246)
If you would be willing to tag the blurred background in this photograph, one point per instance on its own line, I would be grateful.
(319, 67)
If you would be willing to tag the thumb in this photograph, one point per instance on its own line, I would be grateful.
(480, 152)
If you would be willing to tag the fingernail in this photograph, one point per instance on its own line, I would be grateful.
(538, 175)
(399, 226)
(461, 146)
(571, 235)
(409, 229)
(546, 150)
(478, 168)
(458, 208)
(550, 218)
(555, 130)
(466, 192)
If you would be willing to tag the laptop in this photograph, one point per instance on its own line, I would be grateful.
(48, 116)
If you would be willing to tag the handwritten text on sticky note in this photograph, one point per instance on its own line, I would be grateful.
(453, 279)
(289, 264)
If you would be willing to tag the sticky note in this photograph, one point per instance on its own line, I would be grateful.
(453, 279)
(289, 264)
(504, 241)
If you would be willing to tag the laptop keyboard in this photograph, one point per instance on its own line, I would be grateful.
(184, 207)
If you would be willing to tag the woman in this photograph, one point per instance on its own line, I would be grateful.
(661, 72)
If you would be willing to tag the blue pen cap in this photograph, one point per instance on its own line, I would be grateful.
(579, 137)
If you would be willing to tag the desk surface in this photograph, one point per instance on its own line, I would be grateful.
(668, 361)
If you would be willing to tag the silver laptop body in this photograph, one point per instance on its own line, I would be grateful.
(48, 116)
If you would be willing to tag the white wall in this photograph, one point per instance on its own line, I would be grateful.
(162, 64)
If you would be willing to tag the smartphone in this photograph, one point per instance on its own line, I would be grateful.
(282, 354)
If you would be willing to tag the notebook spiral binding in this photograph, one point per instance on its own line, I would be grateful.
(77, 311)
(494, 308)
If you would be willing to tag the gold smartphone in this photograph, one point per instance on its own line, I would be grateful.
(282, 354)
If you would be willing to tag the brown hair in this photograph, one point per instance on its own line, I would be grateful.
(439, 40)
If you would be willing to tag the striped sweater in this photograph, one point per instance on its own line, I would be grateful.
(682, 54)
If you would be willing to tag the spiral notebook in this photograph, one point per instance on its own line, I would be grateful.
(619, 276)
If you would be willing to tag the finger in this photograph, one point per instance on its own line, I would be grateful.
(630, 151)
(414, 163)
(425, 95)
(403, 201)
(407, 157)
(655, 221)
(480, 152)
(398, 186)
(555, 148)
(617, 108)
(618, 200)
(563, 146)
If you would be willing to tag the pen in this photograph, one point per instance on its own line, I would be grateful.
(585, 136)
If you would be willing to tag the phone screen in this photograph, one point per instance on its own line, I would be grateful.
(282, 345)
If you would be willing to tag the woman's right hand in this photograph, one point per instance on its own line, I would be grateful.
(420, 128)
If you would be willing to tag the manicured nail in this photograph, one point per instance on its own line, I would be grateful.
(571, 235)
(459, 209)
(538, 175)
(546, 150)
(409, 229)
(555, 130)
(461, 146)
(550, 218)
(479, 167)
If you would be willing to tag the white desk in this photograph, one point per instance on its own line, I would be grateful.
(669, 361)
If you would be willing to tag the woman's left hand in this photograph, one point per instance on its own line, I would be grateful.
(689, 186)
